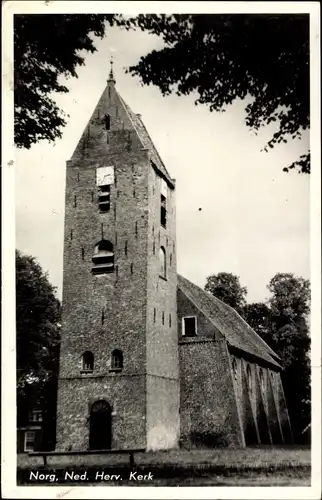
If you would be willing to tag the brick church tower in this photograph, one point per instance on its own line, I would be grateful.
(119, 368)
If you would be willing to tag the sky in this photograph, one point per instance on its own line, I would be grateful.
(254, 218)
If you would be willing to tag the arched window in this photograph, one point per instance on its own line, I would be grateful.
(88, 361)
(234, 367)
(162, 262)
(249, 379)
(117, 360)
(103, 258)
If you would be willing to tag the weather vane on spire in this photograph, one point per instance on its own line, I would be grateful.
(111, 75)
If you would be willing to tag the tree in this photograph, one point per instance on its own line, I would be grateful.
(37, 320)
(290, 301)
(290, 306)
(47, 47)
(38, 337)
(225, 57)
(258, 316)
(227, 287)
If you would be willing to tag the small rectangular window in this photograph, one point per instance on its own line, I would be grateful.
(30, 437)
(35, 416)
(189, 326)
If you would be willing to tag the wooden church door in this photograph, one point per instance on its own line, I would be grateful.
(100, 431)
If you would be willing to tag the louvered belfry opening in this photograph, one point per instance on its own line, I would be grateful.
(104, 198)
(103, 258)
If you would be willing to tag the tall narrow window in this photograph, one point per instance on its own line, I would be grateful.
(103, 258)
(117, 360)
(262, 380)
(189, 326)
(162, 262)
(163, 213)
(107, 120)
(249, 380)
(29, 444)
(234, 367)
(88, 361)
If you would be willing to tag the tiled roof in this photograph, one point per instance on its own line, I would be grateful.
(235, 330)
(146, 140)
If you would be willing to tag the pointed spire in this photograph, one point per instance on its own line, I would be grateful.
(111, 75)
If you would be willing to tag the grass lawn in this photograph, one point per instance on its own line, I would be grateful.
(260, 466)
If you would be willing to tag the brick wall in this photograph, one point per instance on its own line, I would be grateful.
(162, 338)
(208, 409)
(116, 311)
(123, 393)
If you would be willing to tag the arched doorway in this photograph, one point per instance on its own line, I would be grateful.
(100, 430)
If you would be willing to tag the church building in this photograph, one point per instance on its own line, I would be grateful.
(148, 360)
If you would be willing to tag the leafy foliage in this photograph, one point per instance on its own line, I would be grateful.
(38, 337)
(37, 320)
(290, 306)
(225, 57)
(258, 316)
(290, 299)
(227, 287)
(46, 47)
